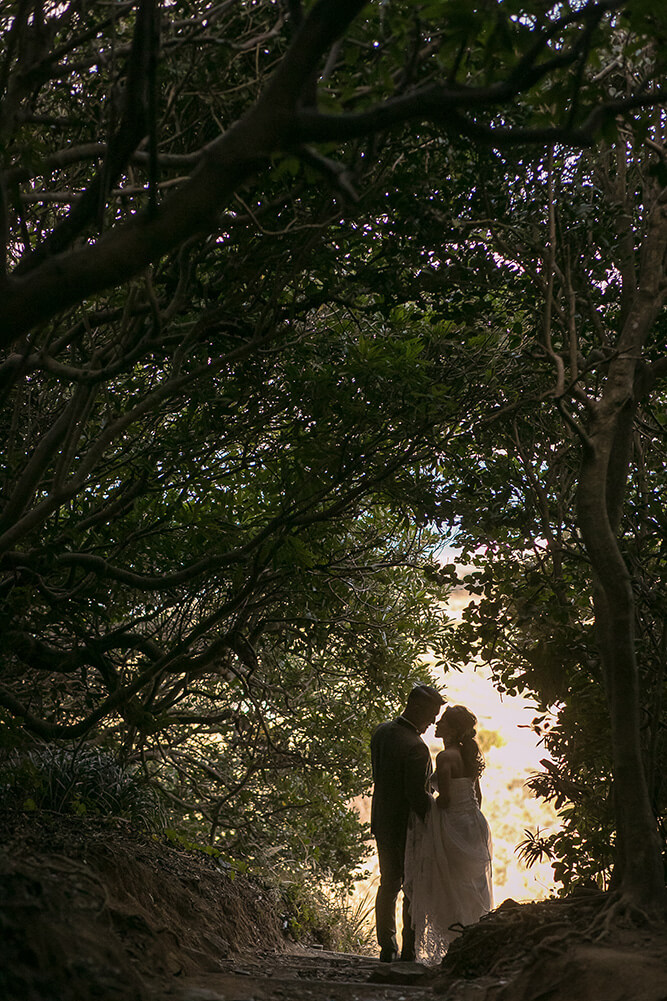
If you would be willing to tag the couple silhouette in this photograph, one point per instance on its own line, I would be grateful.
(432, 839)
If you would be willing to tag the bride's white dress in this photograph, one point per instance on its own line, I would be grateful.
(448, 869)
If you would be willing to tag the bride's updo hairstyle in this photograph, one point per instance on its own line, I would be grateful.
(462, 724)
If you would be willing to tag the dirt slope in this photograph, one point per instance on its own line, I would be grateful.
(95, 911)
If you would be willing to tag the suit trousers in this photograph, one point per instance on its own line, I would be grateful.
(390, 855)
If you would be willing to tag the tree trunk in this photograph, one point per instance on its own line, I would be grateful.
(603, 475)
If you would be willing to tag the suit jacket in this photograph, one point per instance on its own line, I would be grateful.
(401, 769)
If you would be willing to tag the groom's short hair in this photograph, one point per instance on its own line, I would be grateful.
(425, 693)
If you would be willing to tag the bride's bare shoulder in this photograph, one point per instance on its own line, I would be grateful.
(449, 763)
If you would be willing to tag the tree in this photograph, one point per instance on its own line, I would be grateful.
(251, 532)
(205, 437)
(599, 284)
(460, 68)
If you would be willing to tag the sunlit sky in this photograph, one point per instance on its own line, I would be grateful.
(509, 807)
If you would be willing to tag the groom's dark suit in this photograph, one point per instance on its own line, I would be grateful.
(401, 769)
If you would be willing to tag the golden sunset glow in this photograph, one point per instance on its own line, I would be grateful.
(512, 753)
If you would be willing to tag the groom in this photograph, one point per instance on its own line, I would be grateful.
(401, 768)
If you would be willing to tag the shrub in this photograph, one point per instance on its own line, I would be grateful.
(81, 781)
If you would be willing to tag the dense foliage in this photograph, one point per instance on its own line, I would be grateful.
(533, 620)
(268, 316)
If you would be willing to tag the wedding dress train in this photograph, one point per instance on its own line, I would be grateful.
(448, 869)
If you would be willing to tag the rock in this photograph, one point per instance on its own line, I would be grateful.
(399, 974)
(592, 973)
(200, 994)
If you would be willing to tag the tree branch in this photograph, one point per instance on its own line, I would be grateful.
(276, 122)
(133, 127)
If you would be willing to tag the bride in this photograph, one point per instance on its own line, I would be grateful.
(448, 855)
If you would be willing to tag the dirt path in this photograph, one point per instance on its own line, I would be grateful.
(310, 976)
(582, 972)
(93, 911)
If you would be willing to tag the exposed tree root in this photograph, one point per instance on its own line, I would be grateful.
(515, 934)
(620, 911)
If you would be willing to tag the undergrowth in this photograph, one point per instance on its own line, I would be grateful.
(85, 781)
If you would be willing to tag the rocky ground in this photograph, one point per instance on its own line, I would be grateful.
(91, 910)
